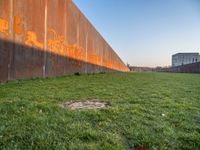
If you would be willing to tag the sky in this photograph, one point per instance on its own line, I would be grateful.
(146, 32)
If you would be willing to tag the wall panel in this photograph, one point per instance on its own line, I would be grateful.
(4, 36)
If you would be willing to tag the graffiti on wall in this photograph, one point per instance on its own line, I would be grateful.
(17, 25)
(4, 27)
(56, 44)
(31, 40)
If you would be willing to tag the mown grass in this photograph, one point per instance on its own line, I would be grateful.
(154, 110)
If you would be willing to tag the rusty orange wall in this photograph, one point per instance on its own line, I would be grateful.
(50, 38)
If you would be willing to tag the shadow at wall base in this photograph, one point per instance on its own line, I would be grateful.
(23, 62)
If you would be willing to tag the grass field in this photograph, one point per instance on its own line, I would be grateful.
(152, 110)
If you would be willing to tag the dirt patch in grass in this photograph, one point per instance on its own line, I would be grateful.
(141, 148)
(89, 104)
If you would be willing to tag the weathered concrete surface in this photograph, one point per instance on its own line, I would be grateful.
(50, 38)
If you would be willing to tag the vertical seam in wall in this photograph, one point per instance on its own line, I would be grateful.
(86, 50)
(65, 35)
(66, 21)
(10, 56)
(78, 24)
(45, 40)
(78, 30)
(101, 55)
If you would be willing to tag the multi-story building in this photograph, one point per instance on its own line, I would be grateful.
(185, 58)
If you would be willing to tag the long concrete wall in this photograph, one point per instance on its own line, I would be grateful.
(42, 38)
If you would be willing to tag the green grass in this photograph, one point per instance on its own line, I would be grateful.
(31, 118)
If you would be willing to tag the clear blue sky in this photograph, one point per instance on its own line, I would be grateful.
(146, 32)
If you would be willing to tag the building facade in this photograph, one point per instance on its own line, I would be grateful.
(180, 59)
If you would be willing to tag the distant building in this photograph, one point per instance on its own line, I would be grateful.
(185, 58)
(140, 69)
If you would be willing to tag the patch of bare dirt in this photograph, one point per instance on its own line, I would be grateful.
(142, 148)
(95, 104)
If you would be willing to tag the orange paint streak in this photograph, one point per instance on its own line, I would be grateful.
(4, 26)
(56, 44)
(95, 59)
(17, 25)
(32, 40)
(76, 52)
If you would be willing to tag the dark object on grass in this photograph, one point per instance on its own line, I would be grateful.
(102, 72)
(77, 74)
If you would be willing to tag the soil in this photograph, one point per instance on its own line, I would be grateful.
(90, 104)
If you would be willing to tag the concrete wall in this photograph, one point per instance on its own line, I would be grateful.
(40, 38)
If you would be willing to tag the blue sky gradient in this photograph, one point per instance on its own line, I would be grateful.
(146, 32)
